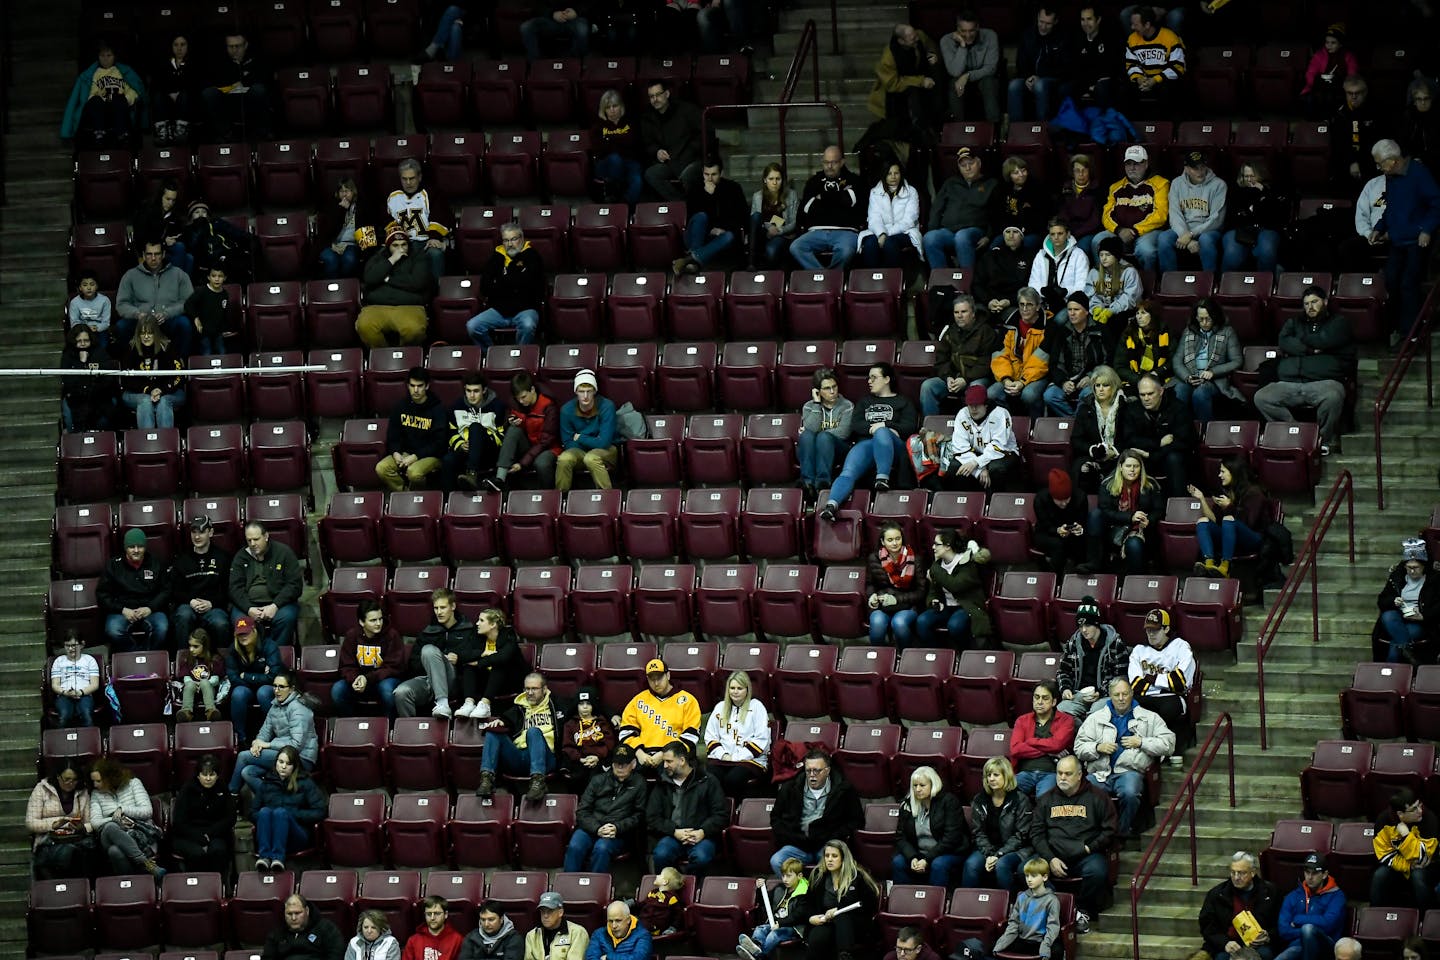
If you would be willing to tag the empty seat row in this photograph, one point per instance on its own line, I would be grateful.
(154, 462)
(1355, 778)
(1389, 700)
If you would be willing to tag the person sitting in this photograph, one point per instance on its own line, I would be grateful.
(897, 586)
(131, 596)
(74, 679)
(1022, 362)
(1040, 738)
(661, 911)
(1095, 431)
(1022, 202)
(416, 439)
(528, 744)
(963, 351)
(820, 802)
(1162, 673)
(1328, 69)
(1142, 348)
(288, 723)
(1000, 817)
(1208, 352)
(610, 815)
(1114, 285)
(1160, 429)
(617, 150)
(836, 883)
(373, 939)
(1060, 518)
(210, 313)
(1077, 346)
(621, 938)
(932, 840)
(1130, 503)
(831, 215)
(1074, 826)
(1137, 207)
(1197, 216)
(1034, 921)
(265, 585)
(1312, 916)
(305, 934)
(204, 821)
(1258, 213)
(251, 664)
(1043, 63)
(1405, 845)
(660, 713)
(532, 436)
(986, 455)
(1091, 659)
(238, 99)
(587, 742)
(883, 419)
(161, 218)
(90, 308)
(1154, 64)
(478, 421)
(498, 669)
(825, 422)
(892, 226)
(156, 393)
(956, 592)
(1117, 745)
(372, 656)
(685, 813)
(718, 218)
(513, 285)
(200, 584)
(973, 63)
(87, 402)
(397, 286)
(1061, 267)
(58, 818)
(1238, 508)
(904, 95)
(787, 903)
(436, 939)
(201, 671)
(106, 104)
(1245, 892)
(496, 936)
(343, 233)
(153, 290)
(1003, 269)
(961, 214)
(1317, 358)
(773, 211)
(737, 737)
(1409, 606)
(587, 435)
(122, 814)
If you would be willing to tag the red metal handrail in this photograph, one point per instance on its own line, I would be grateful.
(1182, 805)
(1305, 563)
(1424, 326)
(809, 46)
(783, 109)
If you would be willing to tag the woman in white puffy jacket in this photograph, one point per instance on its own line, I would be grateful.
(893, 227)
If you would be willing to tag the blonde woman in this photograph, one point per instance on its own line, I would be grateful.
(838, 882)
(155, 396)
(617, 150)
(1000, 817)
(931, 838)
(373, 939)
(1094, 452)
(737, 737)
(1130, 503)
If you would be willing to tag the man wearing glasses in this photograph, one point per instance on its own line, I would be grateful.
(1227, 903)
(288, 723)
(910, 945)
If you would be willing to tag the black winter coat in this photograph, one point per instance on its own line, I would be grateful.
(947, 825)
(842, 817)
(1012, 834)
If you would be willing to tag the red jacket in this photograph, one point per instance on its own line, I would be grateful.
(422, 945)
(542, 426)
(1024, 745)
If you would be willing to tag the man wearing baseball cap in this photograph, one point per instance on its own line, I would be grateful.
(1162, 671)
(1197, 216)
(1138, 205)
(611, 812)
(200, 585)
(587, 435)
(961, 213)
(398, 285)
(556, 938)
(132, 596)
(986, 454)
(659, 715)
(1312, 916)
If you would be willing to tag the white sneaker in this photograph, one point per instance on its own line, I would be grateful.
(442, 710)
(481, 711)
(465, 710)
(1082, 922)
(748, 945)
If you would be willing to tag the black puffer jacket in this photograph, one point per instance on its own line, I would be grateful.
(1011, 833)
(947, 826)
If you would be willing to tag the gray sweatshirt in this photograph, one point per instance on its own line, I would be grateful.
(980, 59)
(1197, 207)
(815, 418)
(141, 291)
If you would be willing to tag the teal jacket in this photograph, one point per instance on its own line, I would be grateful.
(70, 125)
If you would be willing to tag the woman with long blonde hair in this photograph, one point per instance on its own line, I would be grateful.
(1130, 504)
(737, 736)
(836, 883)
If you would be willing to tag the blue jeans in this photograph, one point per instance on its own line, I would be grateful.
(701, 245)
(334, 266)
(613, 168)
(817, 452)
(777, 860)
(1265, 250)
(1234, 534)
(938, 874)
(159, 413)
(1045, 94)
(450, 32)
(277, 832)
(1094, 873)
(1127, 788)
(900, 624)
(598, 850)
(1145, 249)
(500, 753)
(241, 699)
(249, 769)
(282, 627)
(1035, 783)
(1059, 404)
(877, 453)
(889, 254)
(669, 852)
(1031, 402)
(768, 250)
(181, 259)
(345, 696)
(1201, 398)
(940, 244)
(1170, 257)
(1006, 874)
(1402, 633)
(934, 391)
(216, 623)
(538, 29)
(770, 940)
(1312, 944)
(486, 322)
(840, 244)
(117, 632)
(75, 712)
(956, 621)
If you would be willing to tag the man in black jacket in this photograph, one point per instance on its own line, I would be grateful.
(523, 738)
(1317, 358)
(1042, 65)
(832, 213)
(132, 592)
(685, 813)
(718, 216)
(266, 583)
(611, 810)
(1245, 890)
(1074, 826)
(670, 142)
(478, 420)
(514, 287)
(818, 805)
(1076, 348)
(1160, 427)
(240, 95)
(435, 658)
(416, 439)
(200, 585)
(305, 935)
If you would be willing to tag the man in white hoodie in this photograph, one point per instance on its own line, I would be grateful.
(1197, 216)
(1060, 266)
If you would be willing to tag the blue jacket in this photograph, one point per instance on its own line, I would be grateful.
(635, 946)
(253, 673)
(79, 93)
(1325, 910)
(306, 803)
(1412, 205)
(596, 433)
